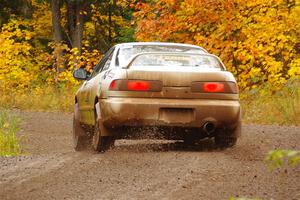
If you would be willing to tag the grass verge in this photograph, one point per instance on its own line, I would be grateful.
(44, 98)
(9, 143)
(265, 105)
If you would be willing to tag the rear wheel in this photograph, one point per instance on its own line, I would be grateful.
(81, 139)
(101, 143)
(190, 140)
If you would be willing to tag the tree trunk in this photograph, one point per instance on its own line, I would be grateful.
(25, 8)
(57, 35)
(75, 19)
(56, 20)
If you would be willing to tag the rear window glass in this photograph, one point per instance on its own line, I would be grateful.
(127, 52)
(175, 60)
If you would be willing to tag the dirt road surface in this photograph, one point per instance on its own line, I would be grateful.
(145, 169)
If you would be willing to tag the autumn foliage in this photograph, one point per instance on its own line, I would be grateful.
(29, 55)
(20, 63)
(258, 40)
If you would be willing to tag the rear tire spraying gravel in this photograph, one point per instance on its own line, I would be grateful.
(228, 138)
(101, 143)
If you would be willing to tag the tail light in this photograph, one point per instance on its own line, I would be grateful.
(138, 85)
(112, 85)
(135, 85)
(215, 87)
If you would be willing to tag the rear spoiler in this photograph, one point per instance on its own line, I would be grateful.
(132, 58)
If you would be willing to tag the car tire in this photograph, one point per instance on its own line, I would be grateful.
(225, 142)
(228, 138)
(101, 143)
(81, 139)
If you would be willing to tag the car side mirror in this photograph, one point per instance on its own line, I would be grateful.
(81, 74)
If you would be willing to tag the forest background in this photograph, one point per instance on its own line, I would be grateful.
(43, 41)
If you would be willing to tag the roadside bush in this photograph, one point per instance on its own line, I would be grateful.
(276, 158)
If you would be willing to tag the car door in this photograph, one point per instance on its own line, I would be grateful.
(90, 88)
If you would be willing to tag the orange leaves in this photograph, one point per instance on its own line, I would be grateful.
(258, 39)
(152, 17)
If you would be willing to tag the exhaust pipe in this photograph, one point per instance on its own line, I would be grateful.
(209, 128)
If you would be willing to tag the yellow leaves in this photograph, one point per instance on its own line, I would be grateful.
(83, 13)
(28, 37)
(294, 70)
(200, 38)
(87, 59)
(260, 47)
(20, 62)
(74, 51)
(41, 20)
(193, 28)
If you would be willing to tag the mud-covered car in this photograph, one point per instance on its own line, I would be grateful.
(181, 90)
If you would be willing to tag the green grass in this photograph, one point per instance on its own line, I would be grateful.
(9, 143)
(44, 98)
(265, 105)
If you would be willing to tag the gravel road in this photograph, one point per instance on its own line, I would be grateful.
(145, 169)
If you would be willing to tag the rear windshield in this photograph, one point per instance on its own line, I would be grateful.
(175, 60)
(127, 52)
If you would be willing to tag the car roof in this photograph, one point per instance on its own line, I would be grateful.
(160, 44)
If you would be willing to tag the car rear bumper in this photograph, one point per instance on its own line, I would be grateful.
(194, 113)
